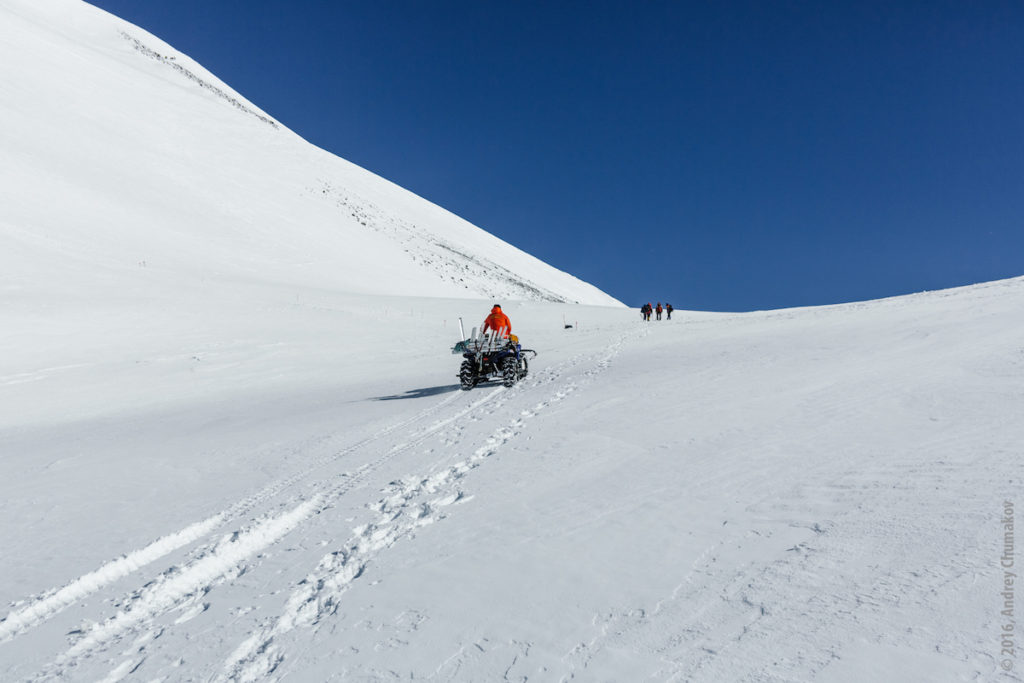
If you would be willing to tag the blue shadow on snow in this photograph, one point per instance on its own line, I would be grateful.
(420, 393)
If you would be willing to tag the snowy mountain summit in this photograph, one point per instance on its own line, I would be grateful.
(122, 154)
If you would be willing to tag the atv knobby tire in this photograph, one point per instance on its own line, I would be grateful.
(510, 371)
(467, 375)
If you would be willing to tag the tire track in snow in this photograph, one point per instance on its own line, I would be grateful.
(224, 560)
(55, 601)
(52, 602)
(409, 505)
(167, 592)
(227, 558)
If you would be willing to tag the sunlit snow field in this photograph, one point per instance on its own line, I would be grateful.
(233, 446)
(807, 494)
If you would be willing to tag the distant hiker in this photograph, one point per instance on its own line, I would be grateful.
(645, 311)
(669, 309)
(658, 310)
(498, 322)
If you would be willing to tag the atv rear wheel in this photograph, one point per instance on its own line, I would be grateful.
(509, 371)
(467, 375)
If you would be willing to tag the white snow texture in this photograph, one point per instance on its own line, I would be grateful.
(233, 446)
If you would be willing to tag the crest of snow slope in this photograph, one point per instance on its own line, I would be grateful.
(122, 154)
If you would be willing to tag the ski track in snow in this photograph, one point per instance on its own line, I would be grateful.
(407, 505)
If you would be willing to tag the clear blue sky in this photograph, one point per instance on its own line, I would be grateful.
(719, 156)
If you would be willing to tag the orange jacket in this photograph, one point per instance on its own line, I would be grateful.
(498, 321)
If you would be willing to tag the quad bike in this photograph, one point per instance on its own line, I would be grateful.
(492, 355)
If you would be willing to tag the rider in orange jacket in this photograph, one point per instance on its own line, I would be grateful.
(498, 322)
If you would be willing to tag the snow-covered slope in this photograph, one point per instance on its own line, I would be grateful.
(221, 459)
(815, 494)
(125, 163)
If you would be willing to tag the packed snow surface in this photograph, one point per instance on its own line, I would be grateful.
(233, 446)
(300, 490)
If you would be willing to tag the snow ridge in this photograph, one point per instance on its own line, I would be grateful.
(206, 85)
(156, 171)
